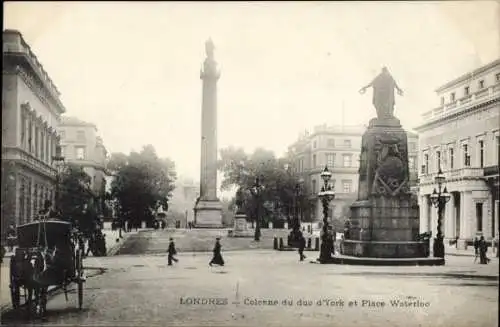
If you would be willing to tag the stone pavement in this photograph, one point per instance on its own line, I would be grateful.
(250, 290)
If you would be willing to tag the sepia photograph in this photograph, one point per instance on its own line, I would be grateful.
(250, 163)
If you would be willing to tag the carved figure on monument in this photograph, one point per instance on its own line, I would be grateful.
(391, 175)
(383, 93)
(239, 201)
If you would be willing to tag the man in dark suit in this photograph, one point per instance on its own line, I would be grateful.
(171, 252)
(302, 246)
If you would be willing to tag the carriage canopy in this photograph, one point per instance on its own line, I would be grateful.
(54, 232)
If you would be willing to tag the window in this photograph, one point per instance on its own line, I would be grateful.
(452, 97)
(314, 161)
(37, 140)
(481, 84)
(497, 77)
(347, 160)
(80, 153)
(30, 136)
(314, 145)
(80, 135)
(314, 190)
(426, 164)
(331, 143)
(466, 155)
(466, 91)
(452, 157)
(479, 217)
(347, 143)
(411, 162)
(481, 153)
(42, 146)
(23, 130)
(330, 160)
(346, 186)
(442, 101)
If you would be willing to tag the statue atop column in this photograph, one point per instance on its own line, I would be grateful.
(210, 65)
(383, 93)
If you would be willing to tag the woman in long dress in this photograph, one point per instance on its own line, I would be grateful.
(217, 258)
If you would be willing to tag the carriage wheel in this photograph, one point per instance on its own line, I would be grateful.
(79, 277)
(15, 289)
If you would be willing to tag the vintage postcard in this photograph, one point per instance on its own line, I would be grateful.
(298, 163)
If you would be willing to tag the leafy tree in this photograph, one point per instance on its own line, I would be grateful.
(279, 194)
(76, 197)
(143, 182)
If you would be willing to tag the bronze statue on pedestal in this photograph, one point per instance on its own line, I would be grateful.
(383, 93)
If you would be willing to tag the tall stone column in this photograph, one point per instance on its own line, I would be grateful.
(423, 215)
(208, 208)
(449, 219)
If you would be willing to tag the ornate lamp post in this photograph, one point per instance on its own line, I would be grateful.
(58, 161)
(296, 212)
(326, 195)
(439, 199)
(256, 191)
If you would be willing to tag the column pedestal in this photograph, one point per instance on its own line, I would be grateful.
(208, 214)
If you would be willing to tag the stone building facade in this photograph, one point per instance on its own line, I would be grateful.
(339, 148)
(461, 136)
(31, 109)
(80, 145)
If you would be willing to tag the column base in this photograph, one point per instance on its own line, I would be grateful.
(208, 214)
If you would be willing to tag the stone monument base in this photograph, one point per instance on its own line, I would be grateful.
(240, 227)
(348, 260)
(208, 214)
(385, 227)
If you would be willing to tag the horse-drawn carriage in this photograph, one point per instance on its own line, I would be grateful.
(50, 253)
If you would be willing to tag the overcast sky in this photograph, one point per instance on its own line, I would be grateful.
(133, 68)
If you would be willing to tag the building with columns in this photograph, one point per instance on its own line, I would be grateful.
(339, 148)
(461, 136)
(80, 145)
(31, 109)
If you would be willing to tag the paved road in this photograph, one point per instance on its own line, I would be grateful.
(156, 241)
(141, 290)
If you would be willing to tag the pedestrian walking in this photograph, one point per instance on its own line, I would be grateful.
(302, 246)
(217, 258)
(91, 245)
(171, 252)
(483, 248)
(476, 249)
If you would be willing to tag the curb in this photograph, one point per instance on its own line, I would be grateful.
(117, 246)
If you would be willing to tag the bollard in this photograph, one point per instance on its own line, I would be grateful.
(309, 243)
(275, 243)
(316, 244)
(281, 243)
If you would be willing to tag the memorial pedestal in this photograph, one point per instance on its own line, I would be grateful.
(385, 218)
(241, 227)
(208, 214)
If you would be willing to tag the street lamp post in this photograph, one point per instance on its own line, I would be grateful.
(256, 190)
(58, 160)
(439, 199)
(326, 195)
(296, 211)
